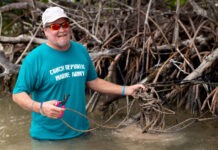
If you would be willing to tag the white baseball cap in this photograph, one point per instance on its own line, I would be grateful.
(53, 13)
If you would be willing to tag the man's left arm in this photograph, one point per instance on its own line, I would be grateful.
(106, 87)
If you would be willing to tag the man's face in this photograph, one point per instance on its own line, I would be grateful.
(58, 34)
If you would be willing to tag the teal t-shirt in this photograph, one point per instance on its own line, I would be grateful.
(49, 74)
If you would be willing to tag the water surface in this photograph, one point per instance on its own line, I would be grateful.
(14, 135)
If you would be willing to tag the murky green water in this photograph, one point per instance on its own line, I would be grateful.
(14, 135)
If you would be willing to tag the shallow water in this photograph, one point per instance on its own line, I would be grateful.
(14, 135)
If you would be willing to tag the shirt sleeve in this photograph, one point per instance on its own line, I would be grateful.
(27, 77)
(91, 72)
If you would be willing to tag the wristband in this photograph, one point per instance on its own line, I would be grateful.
(40, 110)
(123, 90)
(31, 108)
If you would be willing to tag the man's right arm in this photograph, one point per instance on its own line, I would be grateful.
(49, 108)
(25, 101)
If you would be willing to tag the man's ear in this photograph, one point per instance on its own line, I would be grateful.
(44, 30)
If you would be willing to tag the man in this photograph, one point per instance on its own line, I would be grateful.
(56, 68)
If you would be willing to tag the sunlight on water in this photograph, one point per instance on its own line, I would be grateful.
(14, 135)
(133, 132)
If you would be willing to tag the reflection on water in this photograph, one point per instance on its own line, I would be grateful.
(14, 134)
(14, 124)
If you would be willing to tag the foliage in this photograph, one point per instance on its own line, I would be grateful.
(44, 1)
(13, 22)
(172, 3)
(10, 28)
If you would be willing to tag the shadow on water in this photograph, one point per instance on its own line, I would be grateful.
(14, 135)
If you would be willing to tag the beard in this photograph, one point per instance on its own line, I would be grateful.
(60, 43)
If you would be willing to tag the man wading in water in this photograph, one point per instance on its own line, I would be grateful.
(56, 68)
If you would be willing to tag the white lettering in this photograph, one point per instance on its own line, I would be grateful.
(74, 66)
(62, 76)
(56, 70)
(78, 74)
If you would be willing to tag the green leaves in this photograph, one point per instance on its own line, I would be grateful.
(173, 3)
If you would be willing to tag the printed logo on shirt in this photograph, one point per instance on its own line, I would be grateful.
(68, 71)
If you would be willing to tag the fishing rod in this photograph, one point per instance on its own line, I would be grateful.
(180, 82)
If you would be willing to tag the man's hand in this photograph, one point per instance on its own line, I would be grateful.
(50, 109)
(133, 89)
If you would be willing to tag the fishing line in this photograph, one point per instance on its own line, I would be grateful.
(157, 84)
(96, 123)
(179, 82)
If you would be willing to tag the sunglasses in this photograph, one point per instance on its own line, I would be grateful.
(57, 26)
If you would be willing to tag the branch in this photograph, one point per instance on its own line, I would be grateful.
(7, 66)
(207, 61)
(20, 39)
(13, 6)
(200, 11)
